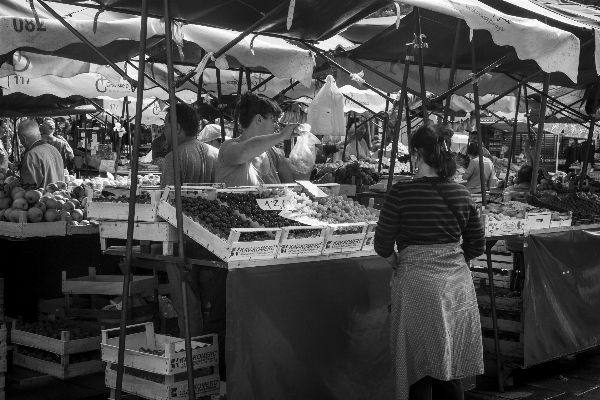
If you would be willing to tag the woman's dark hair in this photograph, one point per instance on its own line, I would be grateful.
(473, 149)
(525, 173)
(433, 143)
(249, 105)
(187, 118)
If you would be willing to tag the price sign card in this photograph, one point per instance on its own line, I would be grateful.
(275, 203)
(312, 188)
(107, 165)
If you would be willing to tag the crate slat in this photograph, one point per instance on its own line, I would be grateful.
(107, 284)
(55, 369)
(55, 345)
(503, 324)
(154, 231)
(507, 348)
(502, 303)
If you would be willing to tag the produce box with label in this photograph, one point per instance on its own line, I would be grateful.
(514, 218)
(116, 207)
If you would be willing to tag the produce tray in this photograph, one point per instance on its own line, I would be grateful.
(152, 231)
(205, 350)
(61, 346)
(27, 230)
(227, 250)
(91, 229)
(305, 247)
(120, 211)
(203, 385)
(54, 369)
(336, 242)
(107, 284)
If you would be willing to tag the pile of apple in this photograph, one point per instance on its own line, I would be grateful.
(54, 203)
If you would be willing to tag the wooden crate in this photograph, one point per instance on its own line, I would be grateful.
(305, 247)
(21, 230)
(63, 346)
(170, 389)
(481, 279)
(205, 350)
(61, 371)
(120, 211)
(342, 243)
(143, 231)
(369, 242)
(106, 284)
(500, 260)
(509, 316)
(91, 229)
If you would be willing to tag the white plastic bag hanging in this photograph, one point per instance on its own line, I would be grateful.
(326, 111)
(303, 155)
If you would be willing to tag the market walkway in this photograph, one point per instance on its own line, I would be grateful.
(571, 378)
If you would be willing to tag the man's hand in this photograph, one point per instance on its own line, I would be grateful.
(287, 132)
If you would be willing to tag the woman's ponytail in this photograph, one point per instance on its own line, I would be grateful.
(433, 144)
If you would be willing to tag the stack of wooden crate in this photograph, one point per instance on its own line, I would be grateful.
(155, 366)
(3, 343)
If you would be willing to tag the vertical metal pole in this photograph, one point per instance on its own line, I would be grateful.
(527, 116)
(221, 120)
(200, 82)
(478, 125)
(540, 134)
(488, 252)
(348, 125)
(401, 98)
(383, 135)
(421, 67)
(511, 152)
(408, 131)
(131, 215)
(177, 190)
(127, 129)
(356, 136)
(236, 127)
(452, 71)
(590, 134)
(248, 78)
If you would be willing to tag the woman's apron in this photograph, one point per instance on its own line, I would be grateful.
(435, 326)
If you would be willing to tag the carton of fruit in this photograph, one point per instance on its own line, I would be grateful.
(301, 241)
(538, 220)
(368, 244)
(163, 387)
(159, 354)
(68, 341)
(342, 238)
(508, 226)
(117, 208)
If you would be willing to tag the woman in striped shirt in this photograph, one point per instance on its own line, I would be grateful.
(435, 328)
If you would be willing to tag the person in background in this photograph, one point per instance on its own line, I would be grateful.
(471, 175)
(66, 152)
(160, 147)
(252, 158)
(211, 135)
(5, 135)
(353, 137)
(196, 165)
(473, 139)
(571, 154)
(434, 320)
(590, 150)
(523, 185)
(41, 163)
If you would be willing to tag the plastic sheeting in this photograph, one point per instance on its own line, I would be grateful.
(561, 299)
(316, 330)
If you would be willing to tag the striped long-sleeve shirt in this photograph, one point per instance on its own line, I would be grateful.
(414, 213)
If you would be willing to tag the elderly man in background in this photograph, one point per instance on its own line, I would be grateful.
(41, 163)
(63, 147)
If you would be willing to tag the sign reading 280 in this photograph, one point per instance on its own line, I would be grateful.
(28, 24)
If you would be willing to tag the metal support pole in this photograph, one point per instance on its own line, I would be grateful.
(177, 190)
(287, 89)
(238, 39)
(132, 199)
(401, 99)
(488, 252)
(511, 152)
(408, 132)
(384, 76)
(590, 134)
(88, 43)
(540, 134)
(221, 120)
(487, 69)
(478, 125)
(452, 77)
(383, 135)
(420, 44)
(356, 136)
(127, 128)
(143, 109)
(348, 125)
(512, 89)
(338, 66)
(236, 127)
(263, 83)
(527, 115)
(248, 78)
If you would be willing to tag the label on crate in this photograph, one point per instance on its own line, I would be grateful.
(506, 227)
(204, 358)
(252, 250)
(369, 241)
(301, 248)
(275, 203)
(344, 243)
(202, 387)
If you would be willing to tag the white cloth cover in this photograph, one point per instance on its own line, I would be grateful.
(209, 133)
(326, 111)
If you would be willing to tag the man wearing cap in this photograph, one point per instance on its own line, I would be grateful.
(211, 135)
(63, 147)
(41, 162)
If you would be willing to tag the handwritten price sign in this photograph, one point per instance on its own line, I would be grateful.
(275, 203)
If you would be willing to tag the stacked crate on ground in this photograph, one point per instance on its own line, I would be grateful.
(98, 210)
(109, 285)
(62, 358)
(502, 264)
(155, 366)
(509, 316)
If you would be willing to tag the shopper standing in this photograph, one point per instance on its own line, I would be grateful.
(435, 327)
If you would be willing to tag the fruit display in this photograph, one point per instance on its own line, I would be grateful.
(304, 234)
(217, 218)
(364, 172)
(510, 210)
(582, 209)
(143, 198)
(245, 204)
(56, 358)
(332, 209)
(54, 329)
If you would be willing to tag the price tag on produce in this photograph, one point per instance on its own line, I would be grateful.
(107, 165)
(312, 188)
(275, 203)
